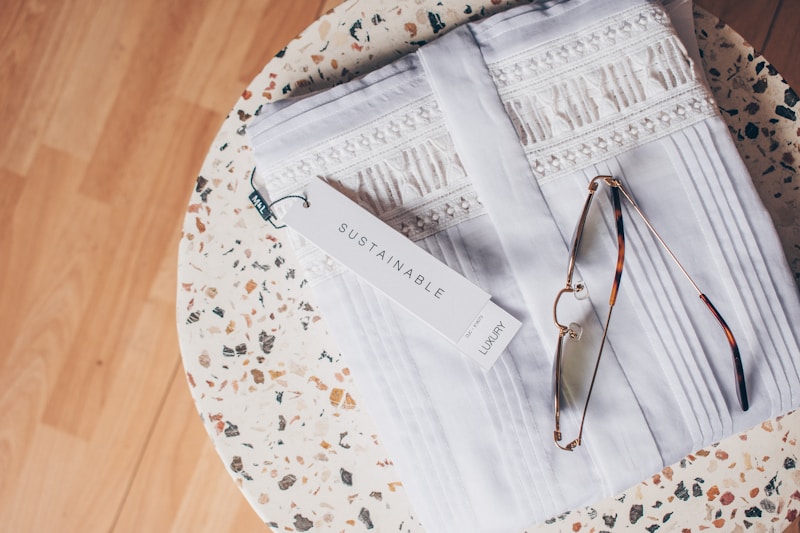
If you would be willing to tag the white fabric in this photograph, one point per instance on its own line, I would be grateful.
(480, 147)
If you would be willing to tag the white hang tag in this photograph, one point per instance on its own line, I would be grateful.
(442, 298)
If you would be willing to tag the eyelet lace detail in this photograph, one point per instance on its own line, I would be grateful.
(606, 89)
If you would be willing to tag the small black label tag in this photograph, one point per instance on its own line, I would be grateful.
(260, 204)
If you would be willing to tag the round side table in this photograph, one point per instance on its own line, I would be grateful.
(278, 399)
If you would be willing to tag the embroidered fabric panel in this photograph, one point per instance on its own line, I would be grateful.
(598, 92)
(402, 167)
(575, 101)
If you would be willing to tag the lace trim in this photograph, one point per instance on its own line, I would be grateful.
(596, 93)
(402, 167)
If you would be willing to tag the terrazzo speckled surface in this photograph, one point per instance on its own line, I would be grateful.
(277, 397)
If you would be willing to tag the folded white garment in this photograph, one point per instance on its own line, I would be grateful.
(479, 147)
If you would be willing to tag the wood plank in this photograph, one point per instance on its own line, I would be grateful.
(48, 277)
(235, 43)
(213, 501)
(134, 141)
(783, 44)
(199, 73)
(328, 5)
(168, 463)
(23, 397)
(118, 442)
(13, 186)
(23, 55)
(751, 20)
(83, 482)
(46, 283)
(35, 59)
(84, 102)
(180, 459)
(282, 22)
(211, 76)
(137, 239)
(48, 477)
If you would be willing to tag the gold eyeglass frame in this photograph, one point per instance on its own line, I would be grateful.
(565, 331)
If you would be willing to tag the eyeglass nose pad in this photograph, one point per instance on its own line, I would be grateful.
(580, 291)
(574, 331)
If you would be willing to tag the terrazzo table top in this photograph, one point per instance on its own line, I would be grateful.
(276, 396)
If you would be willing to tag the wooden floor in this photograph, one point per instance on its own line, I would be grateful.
(106, 111)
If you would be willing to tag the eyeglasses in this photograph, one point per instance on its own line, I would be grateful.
(572, 332)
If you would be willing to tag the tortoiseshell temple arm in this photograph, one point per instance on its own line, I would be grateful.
(741, 388)
(620, 246)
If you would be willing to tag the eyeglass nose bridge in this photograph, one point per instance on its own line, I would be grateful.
(571, 330)
(611, 181)
(568, 447)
